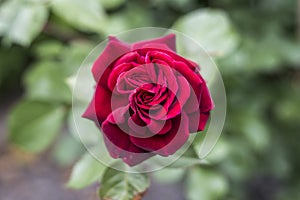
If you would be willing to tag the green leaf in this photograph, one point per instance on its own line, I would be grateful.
(84, 130)
(110, 4)
(46, 81)
(67, 150)
(205, 184)
(210, 28)
(34, 125)
(85, 15)
(188, 159)
(117, 23)
(73, 55)
(117, 185)
(48, 49)
(220, 152)
(21, 22)
(267, 53)
(256, 133)
(169, 175)
(85, 172)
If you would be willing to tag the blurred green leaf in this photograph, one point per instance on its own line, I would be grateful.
(21, 22)
(46, 81)
(48, 49)
(110, 4)
(288, 108)
(205, 184)
(67, 150)
(210, 28)
(183, 5)
(34, 125)
(74, 54)
(220, 152)
(168, 175)
(256, 132)
(267, 53)
(179, 160)
(85, 15)
(117, 23)
(85, 172)
(84, 131)
(119, 185)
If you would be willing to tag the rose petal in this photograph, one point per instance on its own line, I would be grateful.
(160, 126)
(133, 159)
(99, 108)
(194, 80)
(128, 58)
(169, 143)
(118, 141)
(198, 121)
(137, 125)
(206, 103)
(182, 96)
(115, 74)
(203, 120)
(90, 112)
(154, 55)
(128, 156)
(194, 119)
(183, 92)
(114, 49)
(196, 83)
(169, 40)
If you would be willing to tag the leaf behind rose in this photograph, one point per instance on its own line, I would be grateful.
(205, 184)
(33, 125)
(117, 185)
(211, 28)
(85, 172)
(91, 18)
(21, 21)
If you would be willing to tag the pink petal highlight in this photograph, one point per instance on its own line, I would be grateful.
(114, 49)
(168, 40)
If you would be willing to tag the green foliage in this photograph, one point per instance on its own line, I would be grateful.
(111, 4)
(212, 29)
(45, 79)
(85, 15)
(21, 21)
(67, 150)
(169, 175)
(118, 185)
(85, 172)
(34, 125)
(13, 60)
(205, 184)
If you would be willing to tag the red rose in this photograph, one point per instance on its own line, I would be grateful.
(148, 99)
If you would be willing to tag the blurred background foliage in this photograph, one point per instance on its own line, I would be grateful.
(255, 43)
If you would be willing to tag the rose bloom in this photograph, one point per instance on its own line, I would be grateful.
(148, 99)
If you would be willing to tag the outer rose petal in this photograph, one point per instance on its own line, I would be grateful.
(206, 103)
(166, 144)
(99, 108)
(118, 142)
(114, 49)
(128, 157)
(203, 120)
(168, 40)
(194, 119)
